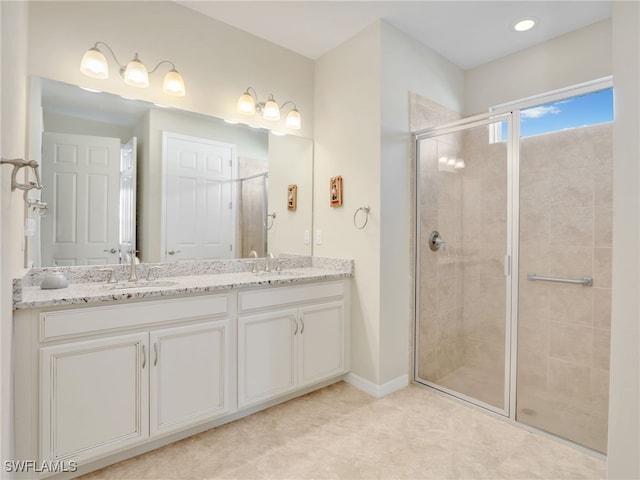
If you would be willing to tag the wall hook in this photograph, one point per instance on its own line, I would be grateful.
(19, 163)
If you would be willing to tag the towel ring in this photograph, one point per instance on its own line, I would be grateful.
(273, 219)
(366, 211)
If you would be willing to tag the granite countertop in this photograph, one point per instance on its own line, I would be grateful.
(205, 280)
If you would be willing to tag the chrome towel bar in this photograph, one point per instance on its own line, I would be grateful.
(585, 281)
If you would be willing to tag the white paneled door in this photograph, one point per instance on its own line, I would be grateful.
(200, 209)
(81, 174)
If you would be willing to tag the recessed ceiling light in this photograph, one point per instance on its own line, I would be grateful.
(524, 24)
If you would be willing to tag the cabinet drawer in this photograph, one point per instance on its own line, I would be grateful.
(278, 296)
(86, 321)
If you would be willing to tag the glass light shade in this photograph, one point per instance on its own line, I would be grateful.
(294, 120)
(94, 64)
(173, 84)
(136, 74)
(246, 104)
(451, 162)
(271, 110)
(459, 164)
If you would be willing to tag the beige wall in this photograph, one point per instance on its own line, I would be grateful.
(215, 75)
(624, 402)
(567, 60)
(290, 162)
(406, 66)
(366, 83)
(347, 143)
(13, 16)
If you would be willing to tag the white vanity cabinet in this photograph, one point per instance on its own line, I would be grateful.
(95, 384)
(94, 396)
(299, 340)
(172, 370)
(189, 368)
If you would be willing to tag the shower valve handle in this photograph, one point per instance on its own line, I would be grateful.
(436, 241)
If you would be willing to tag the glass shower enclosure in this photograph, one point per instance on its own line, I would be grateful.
(463, 250)
(513, 266)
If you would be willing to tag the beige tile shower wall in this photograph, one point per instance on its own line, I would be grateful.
(440, 273)
(564, 330)
(484, 220)
(440, 316)
(251, 234)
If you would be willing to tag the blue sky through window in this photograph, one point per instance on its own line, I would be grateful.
(589, 109)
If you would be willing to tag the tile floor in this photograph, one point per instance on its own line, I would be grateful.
(341, 432)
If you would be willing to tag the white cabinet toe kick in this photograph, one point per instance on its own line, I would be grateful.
(98, 384)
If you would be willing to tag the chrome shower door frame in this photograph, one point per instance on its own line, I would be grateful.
(510, 261)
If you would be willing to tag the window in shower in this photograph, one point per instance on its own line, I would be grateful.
(575, 112)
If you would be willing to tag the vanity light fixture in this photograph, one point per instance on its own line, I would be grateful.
(249, 104)
(94, 64)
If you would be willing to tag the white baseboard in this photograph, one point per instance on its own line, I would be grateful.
(375, 390)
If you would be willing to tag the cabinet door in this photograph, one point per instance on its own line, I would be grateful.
(94, 397)
(321, 340)
(267, 352)
(189, 375)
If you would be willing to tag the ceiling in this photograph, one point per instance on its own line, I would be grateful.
(467, 33)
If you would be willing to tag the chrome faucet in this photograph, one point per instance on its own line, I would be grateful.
(133, 273)
(267, 262)
(254, 264)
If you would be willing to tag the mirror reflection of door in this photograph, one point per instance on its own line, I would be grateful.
(82, 175)
(200, 217)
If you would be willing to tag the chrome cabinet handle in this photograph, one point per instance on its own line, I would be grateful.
(173, 252)
(112, 250)
(296, 331)
(155, 350)
(302, 329)
(144, 356)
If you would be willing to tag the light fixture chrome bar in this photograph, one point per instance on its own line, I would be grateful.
(585, 281)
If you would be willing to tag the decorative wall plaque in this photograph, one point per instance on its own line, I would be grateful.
(292, 197)
(335, 191)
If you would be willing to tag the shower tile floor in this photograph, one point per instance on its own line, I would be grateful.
(341, 432)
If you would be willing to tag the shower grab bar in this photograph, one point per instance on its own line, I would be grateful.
(585, 281)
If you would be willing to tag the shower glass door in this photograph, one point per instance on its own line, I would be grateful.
(463, 292)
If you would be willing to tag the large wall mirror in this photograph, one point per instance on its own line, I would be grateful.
(124, 175)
